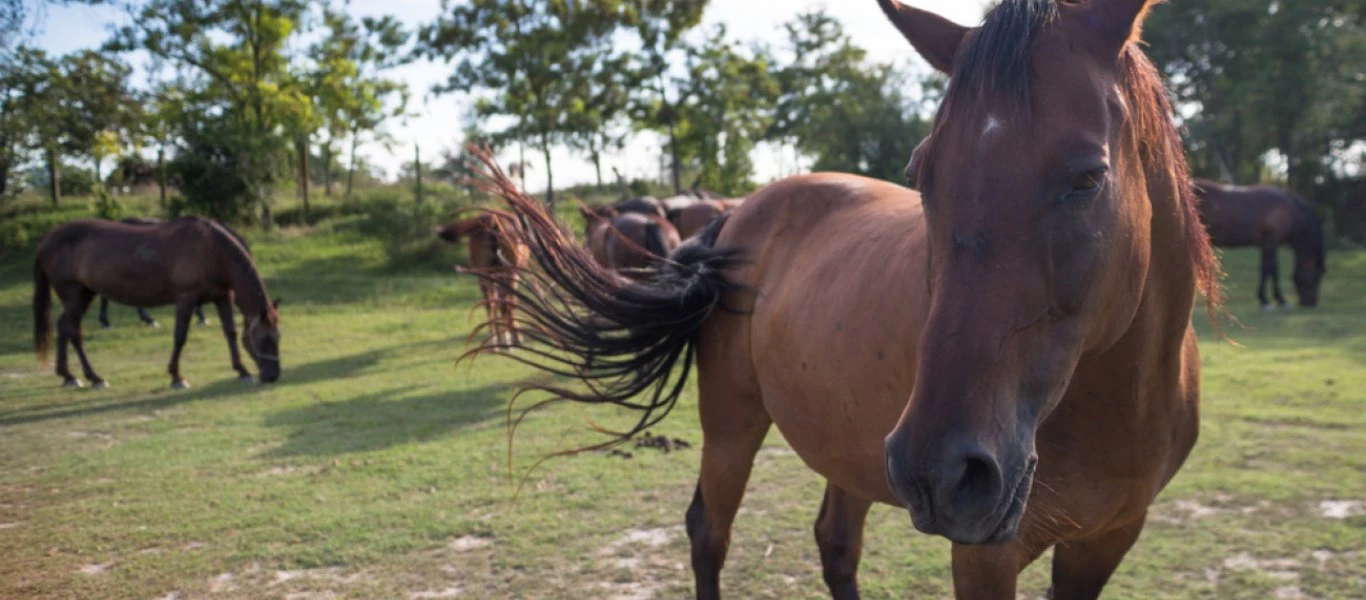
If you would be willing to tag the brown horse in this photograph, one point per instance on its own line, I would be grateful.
(629, 243)
(693, 218)
(494, 258)
(1008, 354)
(142, 312)
(1266, 217)
(184, 262)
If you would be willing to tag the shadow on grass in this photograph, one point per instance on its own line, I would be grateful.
(93, 402)
(384, 419)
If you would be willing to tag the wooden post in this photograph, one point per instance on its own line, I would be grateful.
(417, 171)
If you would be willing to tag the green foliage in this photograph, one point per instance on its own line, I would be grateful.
(1256, 76)
(210, 173)
(105, 205)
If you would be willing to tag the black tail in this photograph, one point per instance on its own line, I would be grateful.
(622, 338)
(42, 313)
(654, 240)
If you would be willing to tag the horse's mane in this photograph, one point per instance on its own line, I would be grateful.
(995, 64)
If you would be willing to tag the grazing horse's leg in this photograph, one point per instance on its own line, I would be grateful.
(199, 312)
(104, 312)
(491, 309)
(182, 331)
(1080, 569)
(1268, 272)
(839, 536)
(509, 304)
(1270, 254)
(146, 318)
(230, 331)
(733, 428)
(73, 310)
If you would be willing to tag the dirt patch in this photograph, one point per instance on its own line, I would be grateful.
(96, 568)
(1185, 510)
(1341, 509)
(631, 590)
(450, 592)
(284, 470)
(647, 537)
(466, 543)
(9, 525)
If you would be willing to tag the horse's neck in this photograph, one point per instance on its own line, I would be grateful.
(246, 282)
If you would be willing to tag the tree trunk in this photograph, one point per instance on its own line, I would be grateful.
(327, 169)
(673, 153)
(351, 172)
(161, 176)
(417, 172)
(54, 177)
(597, 167)
(301, 143)
(549, 175)
(521, 163)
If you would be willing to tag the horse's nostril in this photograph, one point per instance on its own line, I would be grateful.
(970, 488)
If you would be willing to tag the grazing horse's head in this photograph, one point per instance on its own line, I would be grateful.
(261, 338)
(1040, 228)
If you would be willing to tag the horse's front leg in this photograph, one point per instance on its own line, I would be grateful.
(839, 537)
(182, 331)
(989, 572)
(230, 331)
(1081, 568)
(1268, 273)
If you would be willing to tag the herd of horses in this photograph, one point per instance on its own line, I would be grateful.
(1004, 348)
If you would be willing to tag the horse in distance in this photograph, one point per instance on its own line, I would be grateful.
(1267, 217)
(1007, 353)
(630, 242)
(494, 260)
(184, 262)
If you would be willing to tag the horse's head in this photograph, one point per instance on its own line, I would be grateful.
(1309, 272)
(261, 339)
(1039, 216)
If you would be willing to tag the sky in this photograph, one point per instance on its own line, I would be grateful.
(438, 120)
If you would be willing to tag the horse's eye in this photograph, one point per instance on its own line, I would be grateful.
(1085, 186)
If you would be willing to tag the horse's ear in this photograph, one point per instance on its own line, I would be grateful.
(1117, 22)
(936, 39)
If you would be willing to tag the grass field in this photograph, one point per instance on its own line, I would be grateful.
(375, 469)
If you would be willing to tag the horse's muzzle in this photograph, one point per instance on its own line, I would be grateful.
(963, 494)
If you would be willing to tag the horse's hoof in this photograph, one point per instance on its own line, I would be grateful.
(152, 324)
(1268, 308)
(180, 385)
(73, 383)
(98, 384)
(1285, 306)
(204, 322)
(246, 379)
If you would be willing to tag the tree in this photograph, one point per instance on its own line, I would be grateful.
(847, 114)
(238, 49)
(532, 59)
(725, 103)
(351, 94)
(594, 124)
(1255, 76)
(660, 26)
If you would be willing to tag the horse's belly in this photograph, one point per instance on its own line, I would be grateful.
(836, 365)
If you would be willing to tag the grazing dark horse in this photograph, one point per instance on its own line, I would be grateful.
(184, 262)
(1266, 217)
(628, 243)
(142, 312)
(493, 261)
(1007, 354)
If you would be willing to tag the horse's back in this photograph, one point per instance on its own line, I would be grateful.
(834, 268)
(135, 264)
(1246, 215)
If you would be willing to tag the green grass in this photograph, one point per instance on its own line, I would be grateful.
(377, 469)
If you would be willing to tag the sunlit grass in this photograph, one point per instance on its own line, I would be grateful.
(375, 468)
